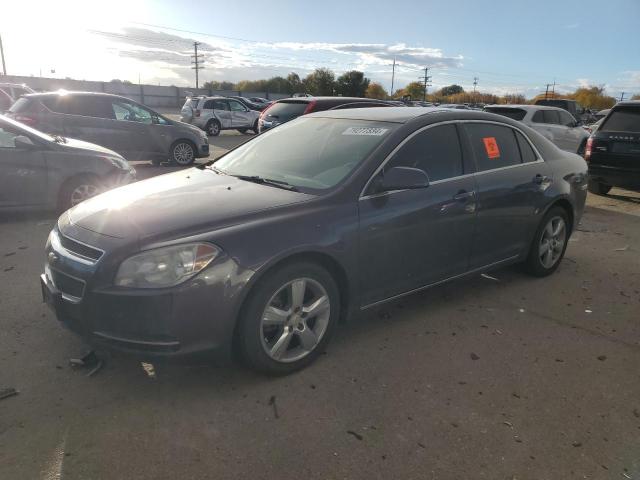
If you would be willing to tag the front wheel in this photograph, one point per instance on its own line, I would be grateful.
(288, 319)
(598, 188)
(78, 190)
(549, 243)
(183, 153)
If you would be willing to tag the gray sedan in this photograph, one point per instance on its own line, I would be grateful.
(275, 244)
(41, 171)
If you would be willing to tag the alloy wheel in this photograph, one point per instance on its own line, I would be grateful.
(183, 153)
(554, 237)
(295, 320)
(83, 192)
(213, 129)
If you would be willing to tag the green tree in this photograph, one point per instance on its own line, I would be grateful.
(352, 84)
(451, 90)
(320, 82)
(294, 83)
(415, 90)
(375, 90)
(226, 86)
(636, 97)
(212, 85)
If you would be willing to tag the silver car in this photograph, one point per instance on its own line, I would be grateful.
(42, 171)
(554, 123)
(214, 114)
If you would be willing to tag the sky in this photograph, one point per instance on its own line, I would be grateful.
(511, 46)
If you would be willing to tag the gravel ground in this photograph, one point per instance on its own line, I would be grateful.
(513, 378)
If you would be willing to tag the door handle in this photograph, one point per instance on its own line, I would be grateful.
(464, 195)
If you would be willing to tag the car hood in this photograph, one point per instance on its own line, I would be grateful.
(178, 204)
(73, 143)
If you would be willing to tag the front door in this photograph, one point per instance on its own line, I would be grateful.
(23, 172)
(413, 238)
(511, 183)
(222, 113)
(240, 115)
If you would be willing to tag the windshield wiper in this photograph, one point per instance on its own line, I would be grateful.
(215, 169)
(267, 181)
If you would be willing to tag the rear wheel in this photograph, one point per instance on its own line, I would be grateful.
(549, 243)
(255, 127)
(598, 188)
(213, 128)
(288, 319)
(183, 153)
(78, 190)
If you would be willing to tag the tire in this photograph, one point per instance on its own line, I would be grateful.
(255, 127)
(549, 243)
(77, 190)
(243, 130)
(598, 188)
(213, 128)
(278, 347)
(183, 153)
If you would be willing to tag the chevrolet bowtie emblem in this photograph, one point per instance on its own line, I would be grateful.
(52, 257)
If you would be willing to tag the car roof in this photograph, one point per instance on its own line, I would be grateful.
(404, 114)
(330, 99)
(627, 103)
(75, 93)
(532, 108)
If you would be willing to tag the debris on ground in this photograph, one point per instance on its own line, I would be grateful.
(602, 358)
(577, 444)
(489, 277)
(357, 435)
(521, 310)
(10, 254)
(89, 360)
(272, 402)
(588, 311)
(8, 269)
(474, 356)
(508, 424)
(622, 249)
(8, 392)
(149, 369)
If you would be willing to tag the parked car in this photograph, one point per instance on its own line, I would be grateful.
(282, 111)
(15, 90)
(5, 101)
(601, 114)
(613, 150)
(571, 106)
(134, 131)
(260, 100)
(554, 123)
(279, 240)
(258, 107)
(42, 171)
(214, 114)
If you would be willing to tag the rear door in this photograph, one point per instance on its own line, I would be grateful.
(86, 117)
(547, 122)
(23, 172)
(241, 116)
(412, 238)
(511, 181)
(573, 135)
(222, 113)
(139, 136)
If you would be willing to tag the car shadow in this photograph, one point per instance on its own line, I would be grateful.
(625, 198)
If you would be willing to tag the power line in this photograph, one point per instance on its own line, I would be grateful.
(196, 57)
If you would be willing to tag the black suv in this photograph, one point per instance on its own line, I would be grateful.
(613, 151)
(284, 110)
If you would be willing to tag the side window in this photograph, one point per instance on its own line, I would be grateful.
(220, 105)
(7, 137)
(567, 119)
(538, 117)
(435, 150)
(130, 112)
(527, 153)
(236, 106)
(89, 106)
(494, 146)
(551, 116)
(208, 105)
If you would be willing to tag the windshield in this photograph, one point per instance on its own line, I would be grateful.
(515, 113)
(319, 153)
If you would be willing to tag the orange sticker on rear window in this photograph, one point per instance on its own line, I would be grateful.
(491, 146)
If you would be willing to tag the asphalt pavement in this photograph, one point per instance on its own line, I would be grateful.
(496, 377)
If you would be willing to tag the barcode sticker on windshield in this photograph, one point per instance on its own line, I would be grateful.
(369, 131)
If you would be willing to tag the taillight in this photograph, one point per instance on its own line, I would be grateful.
(196, 113)
(309, 108)
(263, 113)
(588, 148)
(26, 120)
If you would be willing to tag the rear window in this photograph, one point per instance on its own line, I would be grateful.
(515, 113)
(23, 105)
(287, 109)
(551, 116)
(623, 119)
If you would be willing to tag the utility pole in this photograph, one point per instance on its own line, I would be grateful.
(475, 84)
(426, 80)
(546, 93)
(622, 96)
(4, 67)
(393, 76)
(196, 58)
(553, 91)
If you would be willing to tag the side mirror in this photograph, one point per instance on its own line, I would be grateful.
(403, 178)
(24, 143)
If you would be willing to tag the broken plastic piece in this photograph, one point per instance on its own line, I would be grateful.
(89, 360)
(149, 369)
(8, 392)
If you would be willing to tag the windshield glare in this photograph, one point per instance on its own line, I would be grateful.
(309, 153)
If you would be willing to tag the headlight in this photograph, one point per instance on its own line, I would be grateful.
(165, 267)
(118, 162)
